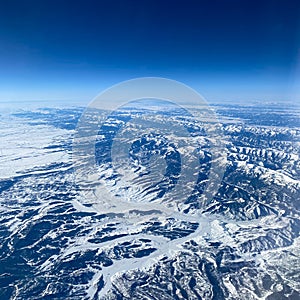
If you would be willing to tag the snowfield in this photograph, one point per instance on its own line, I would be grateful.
(124, 231)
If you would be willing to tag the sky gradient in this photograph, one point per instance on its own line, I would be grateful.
(233, 50)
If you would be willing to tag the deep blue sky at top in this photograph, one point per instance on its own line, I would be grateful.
(226, 49)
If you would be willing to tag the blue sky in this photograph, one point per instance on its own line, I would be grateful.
(233, 50)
